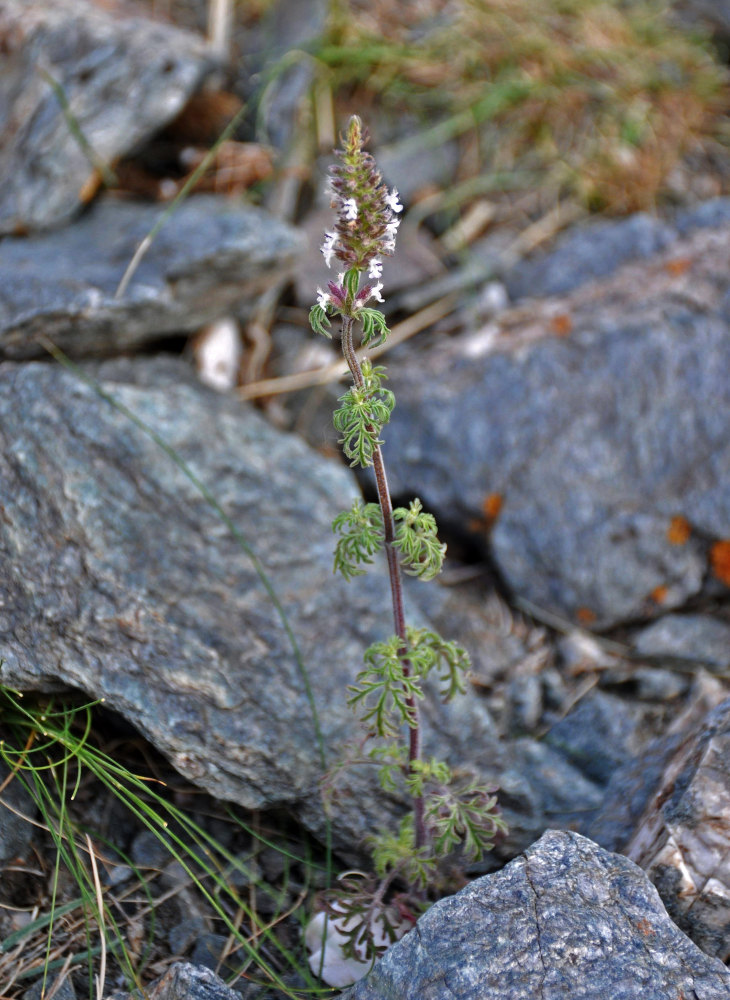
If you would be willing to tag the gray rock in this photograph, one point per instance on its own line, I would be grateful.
(185, 981)
(123, 80)
(712, 14)
(587, 252)
(208, 952)
(686, 638)
(16, 804)
(413, 166)
(599, 735)
(211, 253)
(683, 839)
(288, 26)
(595, 441)
(567, 921)
(633, 785)
(713, 214)
(120, 580)
(62, 989)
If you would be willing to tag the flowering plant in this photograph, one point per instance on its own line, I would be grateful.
(448, 809)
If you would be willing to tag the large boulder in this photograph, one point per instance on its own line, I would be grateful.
(586, 438)
(568, 921)
(79, 85)
(121, 580)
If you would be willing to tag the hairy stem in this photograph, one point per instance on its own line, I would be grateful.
(396, 583)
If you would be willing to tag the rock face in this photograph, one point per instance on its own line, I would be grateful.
(120, 580)
(121, 79)
(683, 839)
(211, 253)
(567, 921)
(591, 439)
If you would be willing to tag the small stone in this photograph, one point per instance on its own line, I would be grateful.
(699, 639)
(62, 989)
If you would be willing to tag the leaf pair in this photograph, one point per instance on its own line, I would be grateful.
(391, 683)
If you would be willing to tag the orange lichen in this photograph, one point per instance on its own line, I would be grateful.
(562, 324)
(492, 506)
(679, 530)
(678, 266)
(720, 560)
(659, 594)
(585, 616)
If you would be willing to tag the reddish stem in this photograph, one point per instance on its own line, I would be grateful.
(396, 584)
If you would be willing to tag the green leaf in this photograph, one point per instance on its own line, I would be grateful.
(393, 764)
(387, 691)
(428, 651)
(361, 536)
(373, 325)
(319, 321)
(397, 852)
(361, 416)
(417, 540)
(465, 814)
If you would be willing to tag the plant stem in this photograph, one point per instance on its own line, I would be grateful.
(396, 583)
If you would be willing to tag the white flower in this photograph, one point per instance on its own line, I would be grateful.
(328, 247)
(323, 298)
(350, 207)
(392, 228)
(341, 278)
(388, 246)
(392, 202)
(376, 268)
(375, 292)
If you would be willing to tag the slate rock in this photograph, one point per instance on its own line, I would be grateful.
(568, 921)
(63, 989)
(599, 735)
(587, 252)
(686, 639)
(120, 580)
(597, 419)
(634, 784)
(683, 839)
(123, 79)
(212, 252)
(186, 981)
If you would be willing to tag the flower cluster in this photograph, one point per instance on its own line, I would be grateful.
(366, 222)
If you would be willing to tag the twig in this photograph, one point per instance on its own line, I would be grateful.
(336, 371)
(101, 976)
